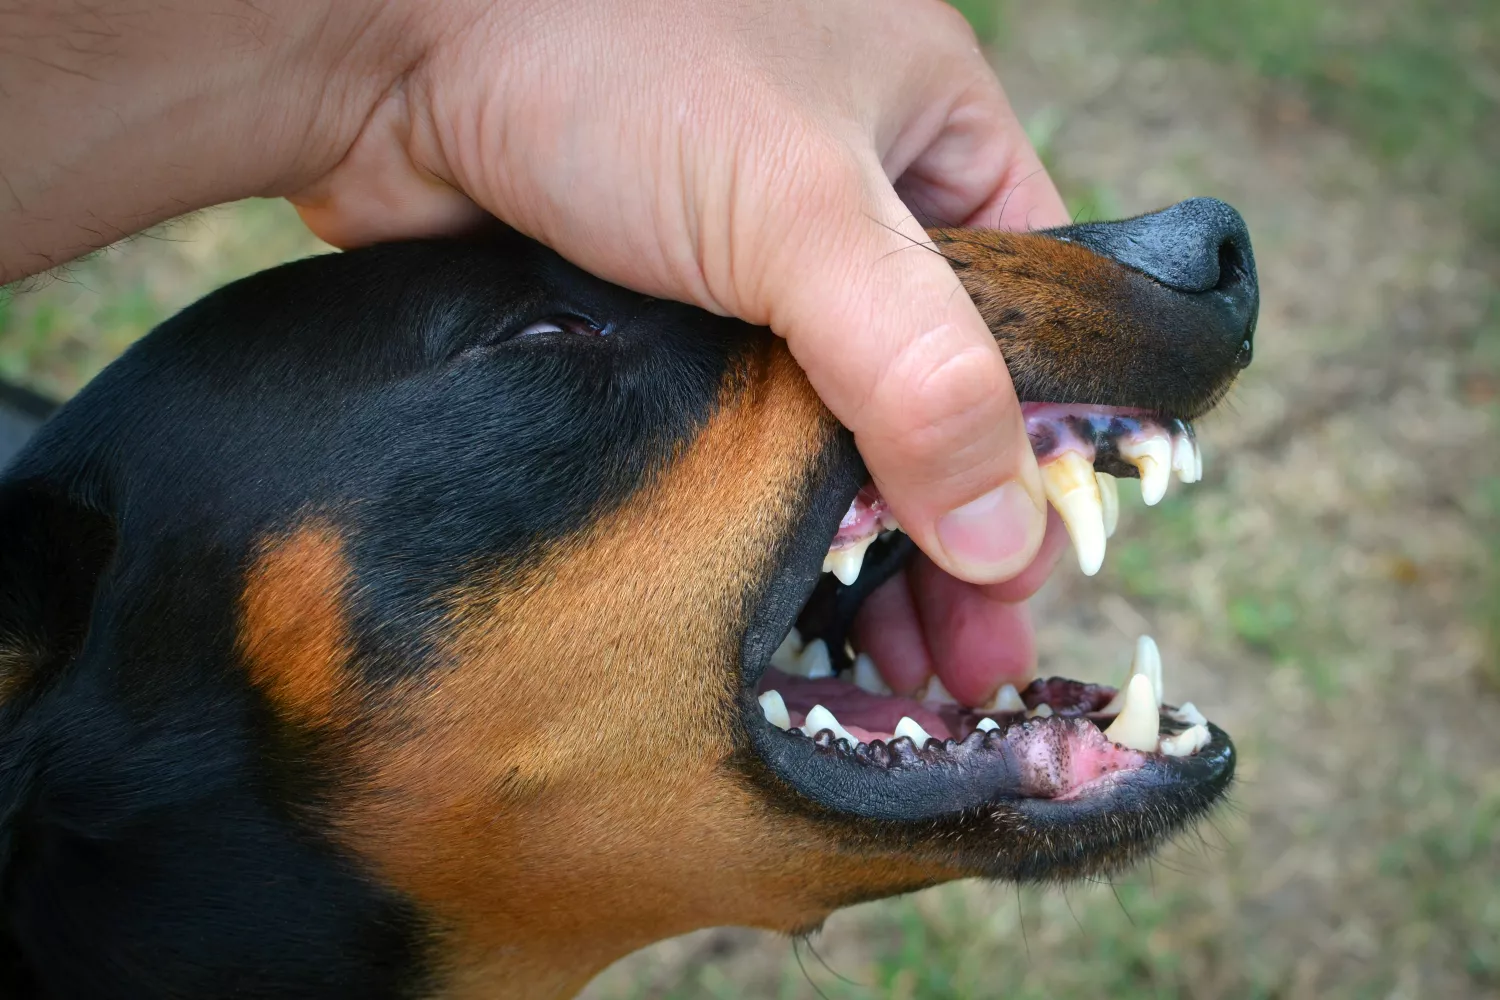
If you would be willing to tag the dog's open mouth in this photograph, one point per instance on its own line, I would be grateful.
(831, 727)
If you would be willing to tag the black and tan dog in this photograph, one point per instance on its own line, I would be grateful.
(399, 623)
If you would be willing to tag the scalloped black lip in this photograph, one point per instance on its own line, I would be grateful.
(820, 779)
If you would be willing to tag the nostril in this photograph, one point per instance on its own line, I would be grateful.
(1198, 245)
(1232, 265)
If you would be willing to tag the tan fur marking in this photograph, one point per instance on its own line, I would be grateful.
(293, 635)
(556, 794)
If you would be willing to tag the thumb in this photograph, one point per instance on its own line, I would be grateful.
(896, 349)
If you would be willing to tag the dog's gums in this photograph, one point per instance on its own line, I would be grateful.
(376, 628)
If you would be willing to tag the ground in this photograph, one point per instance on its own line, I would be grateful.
(1327, 594)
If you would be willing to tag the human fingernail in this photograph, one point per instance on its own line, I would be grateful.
(994, 537)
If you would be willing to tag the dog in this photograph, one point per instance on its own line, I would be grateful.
(436, 619)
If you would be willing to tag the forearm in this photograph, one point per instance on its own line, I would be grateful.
(115, 115)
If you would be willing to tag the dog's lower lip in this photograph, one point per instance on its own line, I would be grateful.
(1038, 727)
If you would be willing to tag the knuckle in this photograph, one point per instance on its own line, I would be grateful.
(946, 404)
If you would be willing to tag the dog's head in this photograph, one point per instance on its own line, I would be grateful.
(404, 619)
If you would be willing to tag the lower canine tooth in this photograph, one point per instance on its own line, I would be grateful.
(1147, 660)
(1072, 488)
(867, 677)
(1153, 459)
(774, 709)
(1136, 726)
(986, 724)
(820, 719)
(908, 727)
(1189, 741)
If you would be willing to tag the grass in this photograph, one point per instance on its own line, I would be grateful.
(57, 330)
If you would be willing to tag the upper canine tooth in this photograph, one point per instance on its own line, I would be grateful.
(1153, 458)
(845, 563)
(908, 727)
(1042, 711)
(867, 677)
(1197, 462)
(1184, 461)
(819, 719)
(1189, 741)
(1136, 726)
(774, 709)
(786, 655)
(937, 693)
(814, 661)
(1109, 493)
(1072, 488)
(1007, 699)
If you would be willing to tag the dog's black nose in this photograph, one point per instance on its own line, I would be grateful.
(1198, 247)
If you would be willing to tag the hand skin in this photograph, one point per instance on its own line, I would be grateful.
(767, 160)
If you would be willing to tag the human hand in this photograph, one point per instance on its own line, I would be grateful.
(761, 160)
(740, 156)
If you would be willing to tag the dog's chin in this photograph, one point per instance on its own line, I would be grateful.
(1090, 777)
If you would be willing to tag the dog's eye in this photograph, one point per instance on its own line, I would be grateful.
(563, 324)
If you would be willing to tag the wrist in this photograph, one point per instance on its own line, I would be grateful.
(118, 119)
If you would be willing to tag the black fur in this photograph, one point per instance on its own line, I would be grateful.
(154, 815)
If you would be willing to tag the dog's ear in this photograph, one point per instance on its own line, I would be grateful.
(53, 550)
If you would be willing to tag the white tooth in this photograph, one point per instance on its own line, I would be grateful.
(888, 520)
(1042, 711)
(814, 663)
(986, 724)
(786, 655)
(939, 694)
(1153, 458)
(1136, 725)
(1109, 493)
(1189, 741)
(867, 677)
(820, 719)
(1147, 660)
(845, 563)
(1197, 462)
(1073, 490)
(908, 727)
(1184, 463)
(775, 711)
(1007, 699)
(1188, 712)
